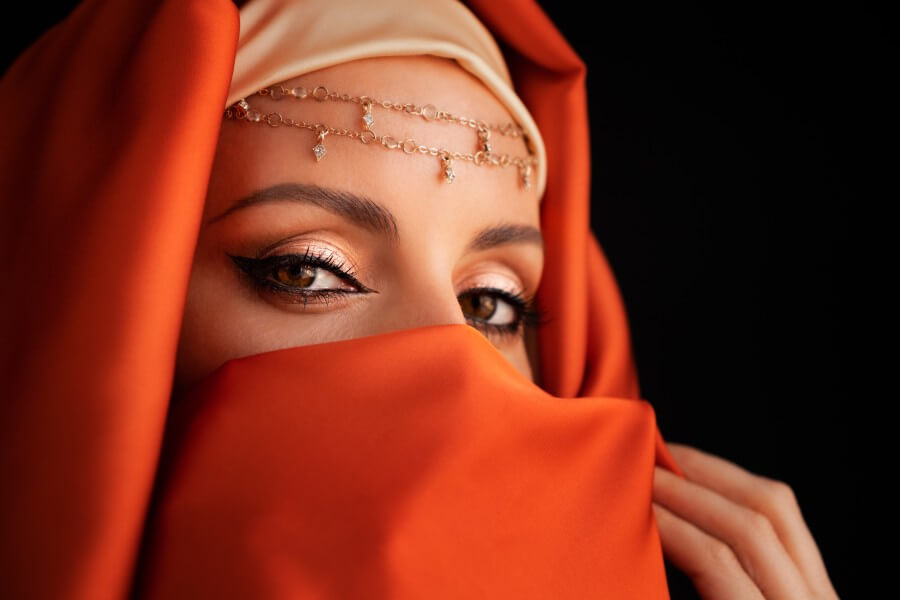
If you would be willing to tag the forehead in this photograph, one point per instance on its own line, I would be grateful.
(253, 155)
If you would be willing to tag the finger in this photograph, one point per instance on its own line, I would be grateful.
(711, 565)
(747, 532)
(772, 498)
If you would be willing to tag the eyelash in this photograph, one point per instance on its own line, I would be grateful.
(259, 270)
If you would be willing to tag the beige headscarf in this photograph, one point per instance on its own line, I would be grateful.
(281, 39)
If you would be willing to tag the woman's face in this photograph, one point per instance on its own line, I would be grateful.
(411, 246)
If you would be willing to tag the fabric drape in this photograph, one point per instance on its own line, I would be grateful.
(413, 463)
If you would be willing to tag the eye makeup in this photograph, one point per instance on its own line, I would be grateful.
(282, 275)
(524, 307)
(287, 277)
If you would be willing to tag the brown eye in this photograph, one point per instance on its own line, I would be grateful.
(479, 306)
(296, 278)
(295, 275)
(498, 313)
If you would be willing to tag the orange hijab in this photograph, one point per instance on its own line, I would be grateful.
(416, 463)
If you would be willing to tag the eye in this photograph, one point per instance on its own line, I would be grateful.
(499, 313)
(295, 274)
(300, 278)
(320, 277)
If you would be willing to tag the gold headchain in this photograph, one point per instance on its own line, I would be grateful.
(484, 156)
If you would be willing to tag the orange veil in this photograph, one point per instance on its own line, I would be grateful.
(414, 463)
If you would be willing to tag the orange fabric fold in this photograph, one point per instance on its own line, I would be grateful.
(417, 463)
(104, 170)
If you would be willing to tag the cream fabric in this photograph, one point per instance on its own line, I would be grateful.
(281, 39)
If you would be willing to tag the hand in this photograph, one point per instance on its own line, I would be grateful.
(736, 534)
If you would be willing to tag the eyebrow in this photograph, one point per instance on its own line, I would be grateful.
(368, 214)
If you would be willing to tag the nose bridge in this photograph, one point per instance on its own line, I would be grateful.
(422, 301)
(422, 294)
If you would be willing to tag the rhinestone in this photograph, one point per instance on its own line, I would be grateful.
(319, 151)
(300, 92)
(369, 119)
(449, 175)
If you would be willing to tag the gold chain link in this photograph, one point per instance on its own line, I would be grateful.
(241, 110)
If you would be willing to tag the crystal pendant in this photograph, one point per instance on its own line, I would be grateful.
(449, 175)
(367, 117)
(319, 149)
(526, 177)
(485, 136)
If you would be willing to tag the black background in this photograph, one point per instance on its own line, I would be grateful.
(736, 151)
(739, 152)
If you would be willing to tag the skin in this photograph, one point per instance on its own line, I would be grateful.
(734, 533)
(420, 277)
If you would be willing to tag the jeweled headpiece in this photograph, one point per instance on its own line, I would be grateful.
(282, 39)
(481, 155)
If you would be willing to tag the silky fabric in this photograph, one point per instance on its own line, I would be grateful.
(281, 39)
(411, 463)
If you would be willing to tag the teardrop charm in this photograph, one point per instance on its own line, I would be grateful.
(367, 117)
(485, 135)
(447, 164)
(319, 149)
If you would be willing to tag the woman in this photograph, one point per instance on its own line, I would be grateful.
(210, 436)
(266, 185)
